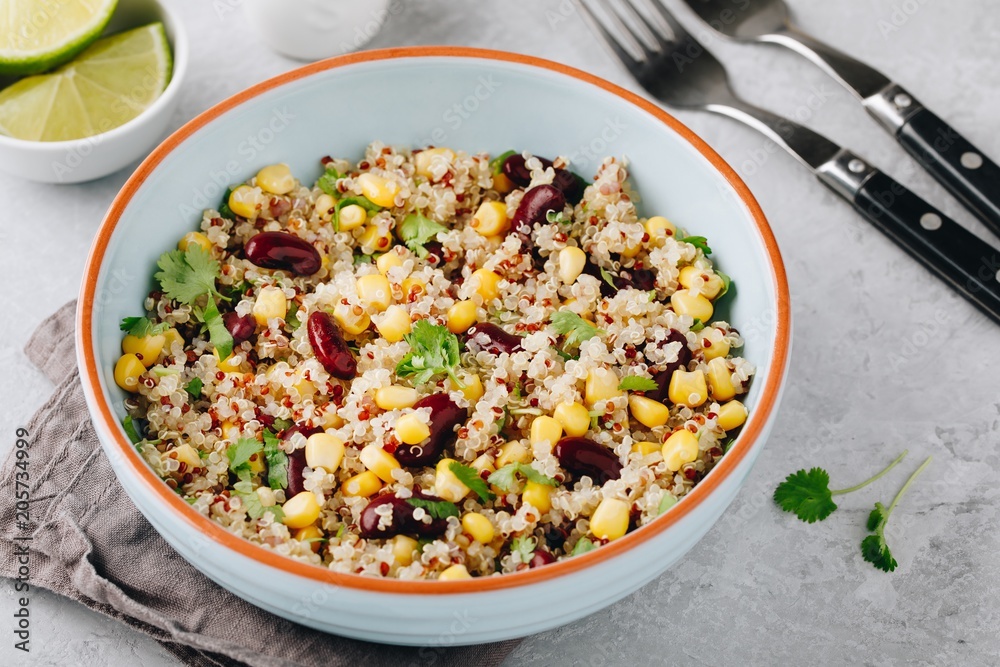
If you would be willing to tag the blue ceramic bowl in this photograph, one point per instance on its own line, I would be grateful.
(477, 101)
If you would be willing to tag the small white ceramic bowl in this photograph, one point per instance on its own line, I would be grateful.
(314, 29)
(91, 158)
(478, 101)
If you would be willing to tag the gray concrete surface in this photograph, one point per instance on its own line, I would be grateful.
(885, 358)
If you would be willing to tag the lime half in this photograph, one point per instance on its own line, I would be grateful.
(36, 36)
(109, 84)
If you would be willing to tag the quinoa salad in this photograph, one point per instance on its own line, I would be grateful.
(431, 364)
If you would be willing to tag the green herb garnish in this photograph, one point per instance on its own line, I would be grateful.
(727, 282)
(341, 530)
(697, 325)
(130, 430)
(438, 509)
(496, 164)
(808, 494)
(668, 501)
(874, 548)
(558, 218)
(609, 278)
(217, 331)
(699, 242)
(637, 383)
(328, 181)
(141, 327)
(522, 548)
(224, 209)
(583, 546)
(573, 327)
(193, 388)
(361, 258)
(240, 452)
(417, 230)
(255, 508)
(506, 480)
(187, 275)
(471, 479)
(291, 317)
(363, 202)
(433, 351)
(277, 461)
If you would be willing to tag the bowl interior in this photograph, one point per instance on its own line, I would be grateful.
(469, 103)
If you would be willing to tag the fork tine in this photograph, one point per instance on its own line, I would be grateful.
(680, 34)
(630, 59)
(653, 31)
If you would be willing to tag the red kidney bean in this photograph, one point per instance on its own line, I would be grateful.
(663, 377)
(541, 557)
(330, 347)
(283, 251)
(535, 204)
(569, 183)
(297, 459)
(581, 456)
(555, 536)
(491, 338)
(402, 523)
(240, 328)
(445, 416)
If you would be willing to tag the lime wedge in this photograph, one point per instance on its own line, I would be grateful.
(36, 36)
(111, 83)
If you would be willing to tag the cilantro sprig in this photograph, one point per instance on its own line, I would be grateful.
(438, 509)
(187, 275)
(194, 387)
(433, 351)
(506, 479)
(583, 545)
(522, 548)
(471, 479)
(807, 492)
(699, 242)
(416, 231)
(141, 327)
(874, 548)
(637, 383)
(277, 461)
(574, 328)
(328, 181)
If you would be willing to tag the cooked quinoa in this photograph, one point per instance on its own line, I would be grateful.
(415, 371)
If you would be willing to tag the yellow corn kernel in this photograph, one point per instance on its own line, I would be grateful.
(187, 455)
(303, 387)
(311, 534)
(413, 289)
(245, 201)
(446, 483)
(461, 316)
(706, 283)
(648, 412)
(423, 160)
(146, 348)
(270, 304)
(537, 495)
(276, 179)
(601, 385)
(731, 415)
(453, 573)
(687, 302)
(571, 263)
(659, 226)
(266, 495)
(395, 397)
(688, 388)
(502, 184)
(720, 380)
(513, 452)
(610, 519)
(325, 205)
(410, 429)
(374, 291)
(325, 451)
(574, 417)
(645, 448)
(388, 261)
(545, 429)
(713, 286)
(301, 510)
(393, 324)
(352, 319)
(632, 248)
(379, 461)
(716, 347)
(256, 463)
(331, 419)
(479, 527)
(483, 462)
(230, 431)
(680, 448)
(473, 390)
(487, 283)
(127, 372)
(363, 485)
(378, 190)
(403, 549)
(351, 217)
(171, 336)
(194, 238)
(491, 219)
(231, 364)
(374, 240)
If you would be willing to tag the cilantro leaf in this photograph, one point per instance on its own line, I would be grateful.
(506, 480)
(668, 501)
(807, 494)
(727, 282)
(433, 350)
(239, 454)
(438, 509)
(874, 548)
(193, 388)
(609, 278)
(697, 325)
(217, 331)
(283, 425)
(224, 209)
(130, 430)
(699, 242)
(291, 317)
(522, 548)
(471, 479)
(558, 218)
(496, 164)
(187, 275)
(254, 506)
(637, 383)
(277, 461)
(583, 545)
(341, 530)
(357, 201)
(141, 327)
(573, 327)
(328, 181)
(417, 230)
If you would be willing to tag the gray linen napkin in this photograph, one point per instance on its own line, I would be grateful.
(89, 543)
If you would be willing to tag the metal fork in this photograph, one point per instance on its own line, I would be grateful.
(677, 70)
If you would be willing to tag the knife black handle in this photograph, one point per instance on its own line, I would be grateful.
(961, 167)
(971, 266)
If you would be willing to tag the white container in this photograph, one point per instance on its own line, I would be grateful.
(316, 29)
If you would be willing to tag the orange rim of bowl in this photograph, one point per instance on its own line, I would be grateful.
(106, 421)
